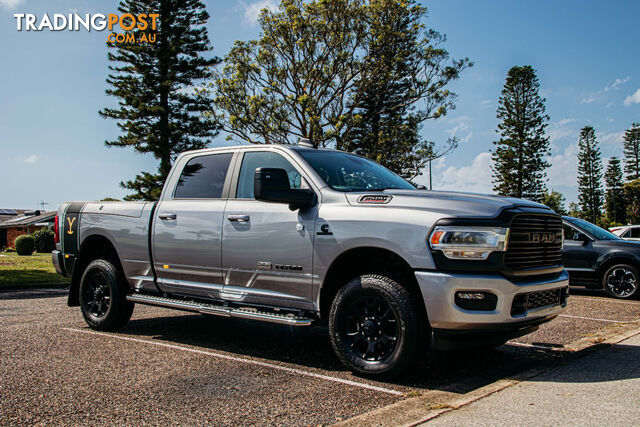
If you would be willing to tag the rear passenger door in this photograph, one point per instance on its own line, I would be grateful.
(267, 249)
(187, 227)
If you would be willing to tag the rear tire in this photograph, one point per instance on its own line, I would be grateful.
(621, 281)
(103, 297)
(375, 327)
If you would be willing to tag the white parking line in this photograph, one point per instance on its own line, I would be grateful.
(527, 345)
(605, 300)
(593, 318)
(242, 360)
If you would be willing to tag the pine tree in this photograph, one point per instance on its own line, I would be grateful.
(615, 202)
(554, 200)
(519, 158)
(401, 55)
(159, 112)
(589, 175)
(574, 210)
(632, 152)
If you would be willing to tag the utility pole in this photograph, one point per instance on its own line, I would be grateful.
(42, 204)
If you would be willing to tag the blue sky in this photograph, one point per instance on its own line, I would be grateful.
(586, 53)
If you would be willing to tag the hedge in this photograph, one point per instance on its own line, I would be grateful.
(25, 244)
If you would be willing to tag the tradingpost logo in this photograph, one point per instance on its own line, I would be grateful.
(139, 28)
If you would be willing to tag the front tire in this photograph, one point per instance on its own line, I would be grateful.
(621, 281)
(375, 327)
(103, 297)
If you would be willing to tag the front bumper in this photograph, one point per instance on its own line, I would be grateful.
(58, 262)
(439, 289)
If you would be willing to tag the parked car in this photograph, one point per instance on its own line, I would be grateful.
(598, 259)
(627, 232)
(300, 236)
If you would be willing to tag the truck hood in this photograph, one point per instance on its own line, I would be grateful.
(451, 203)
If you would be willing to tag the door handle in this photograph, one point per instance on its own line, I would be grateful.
(239, 218)
(167, 216)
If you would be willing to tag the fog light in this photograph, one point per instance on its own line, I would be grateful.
(477, 301)
(471, 295)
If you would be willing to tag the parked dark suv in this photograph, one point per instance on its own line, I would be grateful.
(598, 259)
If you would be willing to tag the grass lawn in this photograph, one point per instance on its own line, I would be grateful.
(28, 271)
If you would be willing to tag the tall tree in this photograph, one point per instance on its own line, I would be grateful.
(295, 80)
(404, 65)
(589, 175)
(632, 152)
(519, 158)
(615, 201)
(574, 210)
(632, 194)
(315, 71)
(555, 200)
(158, 111)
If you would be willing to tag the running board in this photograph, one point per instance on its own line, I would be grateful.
(219, 310)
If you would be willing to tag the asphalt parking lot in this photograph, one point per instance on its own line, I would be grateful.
(175, 367)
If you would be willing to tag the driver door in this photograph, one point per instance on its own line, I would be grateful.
(578, 255)
(267, 249)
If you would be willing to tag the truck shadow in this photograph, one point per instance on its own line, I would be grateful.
(458, 372)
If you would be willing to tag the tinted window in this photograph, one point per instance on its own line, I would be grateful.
(626, 233)
(569, 232)
(346, 172)
(593, 230)
(635, 232)
(203, 177)
(263, 159)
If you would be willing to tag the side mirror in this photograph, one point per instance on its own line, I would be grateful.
(581, 236)
(272, 185)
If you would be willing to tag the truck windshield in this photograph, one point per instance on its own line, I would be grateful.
(346, 172)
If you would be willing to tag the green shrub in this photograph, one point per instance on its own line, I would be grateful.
(44, 240)
(25, 244)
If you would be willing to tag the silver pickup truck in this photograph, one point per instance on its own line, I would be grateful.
(302, 236)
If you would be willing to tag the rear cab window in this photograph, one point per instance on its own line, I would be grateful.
(203, 177)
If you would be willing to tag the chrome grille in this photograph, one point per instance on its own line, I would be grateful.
(535, 241)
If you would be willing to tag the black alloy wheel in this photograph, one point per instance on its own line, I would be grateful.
(371, 328)
(376, 327)
(103, 296)
(621, 281)
(96, 294)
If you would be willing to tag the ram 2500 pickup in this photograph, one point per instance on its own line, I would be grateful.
(303, 236)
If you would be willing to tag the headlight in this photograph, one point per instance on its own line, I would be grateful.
(472, 243)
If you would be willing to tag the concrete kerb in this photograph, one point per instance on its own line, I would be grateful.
(417, 410)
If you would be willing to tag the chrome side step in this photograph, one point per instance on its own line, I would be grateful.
(219, 310)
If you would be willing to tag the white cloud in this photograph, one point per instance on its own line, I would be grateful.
(559, 130)
(31, 159)
(461, 125)
(474, 178)
(612, 138)
(565, 122)
(486, 103)
(252, 10)
(10, 4)
(632, 99)
(564, 168)
(616, 83)
(588, 99)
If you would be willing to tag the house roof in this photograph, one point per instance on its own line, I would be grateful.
(6, 214)
(22, 220)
